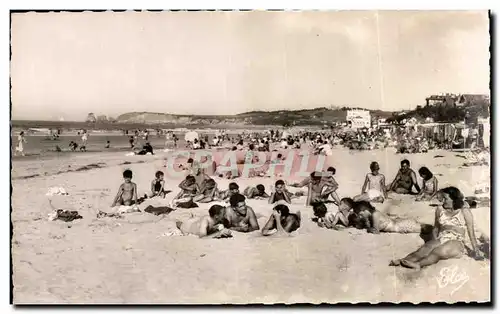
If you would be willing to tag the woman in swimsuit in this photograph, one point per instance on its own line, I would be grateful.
(452, 221)
(375, 182)
(375, 221)
(430, 185)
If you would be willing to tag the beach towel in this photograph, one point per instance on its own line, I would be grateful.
(56, 190)
(64, 215)
(158, 210)
(188, 204)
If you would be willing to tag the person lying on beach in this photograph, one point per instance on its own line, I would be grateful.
(257, 192)
(211, 226)
(331, 217)
(452, 221)
(375, 221)
(404, 180)
(189, 189)
(429, 185)
(375, 182)
(232, 190)
(280, 193)
(158, 185)
(127, 193)
(319, 190)
(241, 217)
(281, 221)
(208, 192)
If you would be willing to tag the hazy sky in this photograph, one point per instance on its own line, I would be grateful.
(70, 64)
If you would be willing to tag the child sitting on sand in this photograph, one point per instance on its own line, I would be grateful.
(233, 189)
(281, 221)
(208, 192)
(188, 191)
(212, 226)
(280, 193)
(158, 185)
(429, 185)
(375, 182)
(332, 218)
(257, 192)
(127, 193)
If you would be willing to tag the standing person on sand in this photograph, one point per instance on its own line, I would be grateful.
(20, 143)
(452, 221)
(241, 217)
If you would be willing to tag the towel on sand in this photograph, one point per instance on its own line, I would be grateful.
(56, 190)
(158, 210)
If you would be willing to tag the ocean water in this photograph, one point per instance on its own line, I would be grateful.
(44, 146)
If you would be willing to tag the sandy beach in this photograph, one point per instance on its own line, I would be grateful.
(132, 260)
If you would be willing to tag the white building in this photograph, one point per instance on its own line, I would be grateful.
(359, 118)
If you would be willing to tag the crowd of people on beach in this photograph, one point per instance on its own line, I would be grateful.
(232, 214)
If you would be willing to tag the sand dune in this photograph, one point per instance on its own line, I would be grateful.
(130, 260)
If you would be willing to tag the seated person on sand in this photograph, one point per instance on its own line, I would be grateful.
(375, 182)
(189, 189)
(257, 192)
(375, 221)
(208, 192)
(200, 177)
(127, 193)
(319, 190)
(429, 185)
(232, 190)
(241, 217)
(327, 177)
(147, 148)
(452, 221)
(211, 226)
(333, 218)
(280, 193)
(404, 180)
(158, 185)
(281, 221)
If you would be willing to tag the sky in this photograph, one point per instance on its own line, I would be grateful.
(66, 65)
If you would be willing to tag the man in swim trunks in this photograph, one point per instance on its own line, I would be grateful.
(319, 190)
(280, 193)
(208, 192)
(281, 222)
(241, 217)
(211, 226)
(257, 192)
(404, 180)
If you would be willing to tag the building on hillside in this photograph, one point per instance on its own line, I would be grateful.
(468, 99)
(446, 99)
(359, 118)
